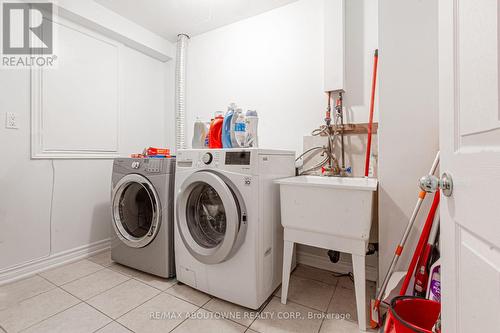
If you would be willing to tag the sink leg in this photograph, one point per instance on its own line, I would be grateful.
(287, 266)
(360, 289)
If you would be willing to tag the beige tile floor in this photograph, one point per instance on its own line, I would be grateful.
(97, 295)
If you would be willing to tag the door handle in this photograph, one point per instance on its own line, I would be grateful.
(431, 184)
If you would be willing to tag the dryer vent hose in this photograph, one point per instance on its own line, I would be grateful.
(180, 92)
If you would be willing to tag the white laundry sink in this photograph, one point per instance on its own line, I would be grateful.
(331, 213)
(338, 206)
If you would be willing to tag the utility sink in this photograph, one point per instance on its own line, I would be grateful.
(331, 213)
(338, 206)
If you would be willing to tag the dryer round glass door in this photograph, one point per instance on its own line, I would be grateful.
(209, 217)
(136, 211)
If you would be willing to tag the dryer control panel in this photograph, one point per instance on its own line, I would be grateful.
(152, 165)
(144, 165)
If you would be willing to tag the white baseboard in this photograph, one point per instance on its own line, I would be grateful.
(33, 267)
(323, 262)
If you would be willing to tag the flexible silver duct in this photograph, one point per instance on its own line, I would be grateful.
(180, 92)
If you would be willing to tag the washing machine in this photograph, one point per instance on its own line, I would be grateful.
(228, 235)
(142, 202)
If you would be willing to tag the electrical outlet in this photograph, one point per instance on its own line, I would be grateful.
(11, 120)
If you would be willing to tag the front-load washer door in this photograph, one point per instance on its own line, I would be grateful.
(136, 210)
(209, 217)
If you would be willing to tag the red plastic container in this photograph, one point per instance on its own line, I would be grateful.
(409, 314)
(215, 132)
(151, 151)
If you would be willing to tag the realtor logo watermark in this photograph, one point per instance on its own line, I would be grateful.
(27, 34)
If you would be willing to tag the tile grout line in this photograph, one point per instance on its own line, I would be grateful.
(85, 301)
(138, 280)
(82, 301)
(263, 307)
(317, 280)
(185, 300)
(53, 315)
(303, 305)
(329, 303)
(198, 307)
(185, 319)
(43, 292)
(135, 307)
(129, 277)
(335, 286)
(113, 321)
(80, 277)
(228, 319)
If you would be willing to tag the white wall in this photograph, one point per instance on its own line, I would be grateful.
(408, 118)
(36, 224)
(273, 63)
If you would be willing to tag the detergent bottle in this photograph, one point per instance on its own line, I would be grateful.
(215, 133)
(226, 126)
(207, 133)
(234, 143)
(199, 134)
(434, 284)
(252, 121)
(240, 131)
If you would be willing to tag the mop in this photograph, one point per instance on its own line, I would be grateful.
(375, 319)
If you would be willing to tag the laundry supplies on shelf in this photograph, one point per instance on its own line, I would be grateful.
(199, 134)
(156, 152)
(215, 133)
(240, 131)
(235, 129)
(227, 126)
(252, 122)
(237, 113)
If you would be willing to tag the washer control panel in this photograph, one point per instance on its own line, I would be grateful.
(237, 158)
(207, 158)
(234, 160)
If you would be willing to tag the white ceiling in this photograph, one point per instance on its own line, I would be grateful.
(168, 18)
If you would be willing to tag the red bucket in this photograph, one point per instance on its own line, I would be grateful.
(409, 314)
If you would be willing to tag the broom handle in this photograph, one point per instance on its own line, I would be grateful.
(399, 249)
(421, 243)
(372, 106)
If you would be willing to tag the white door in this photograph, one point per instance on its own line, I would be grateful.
(470, 147)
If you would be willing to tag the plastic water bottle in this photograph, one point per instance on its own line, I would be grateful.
(240, 131)
(252, 122)
(199, 134)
